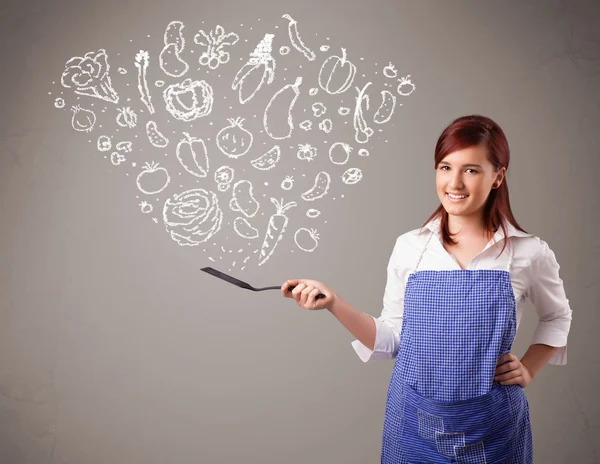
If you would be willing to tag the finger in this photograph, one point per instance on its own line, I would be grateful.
(298, 290)
(305, 293)
(506, 358)
(515, 381)
(285, 288)
(506, 367)
(312, 297)
(508, 375)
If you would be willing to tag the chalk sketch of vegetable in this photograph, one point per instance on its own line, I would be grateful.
(386, 110)
(146, 207)
(352, 176)
(156, 138)
(390, 71)
(268, 160)
(104, 143)
(244, 229)
(306, 239)
(261, 64)
(319, 109)
(313, 213)
(233, 140)
(117, 158)
(142, 59)
(362, 131)
(275, 230)
(124, 146)
(126, 117)
(83, 120)
(169, 59)
(339, 153)
(153, 179)
(333, 66)
(287, 183)
(192, 217)
(405, 82)
(305, 125)
(223, 177)
(320, 187)
(344, 111)
(89, 75)
(215, 41)
(242, 199)
(326, 125)
(285, 97)
(198, 103)
(192, 155)
(59, 103)
(296, 40)
(306, 152)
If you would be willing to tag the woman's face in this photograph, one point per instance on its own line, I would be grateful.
(464, 179)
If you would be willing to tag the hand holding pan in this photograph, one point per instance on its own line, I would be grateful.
(242, 284)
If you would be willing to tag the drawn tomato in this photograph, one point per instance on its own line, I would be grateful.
(152, 179)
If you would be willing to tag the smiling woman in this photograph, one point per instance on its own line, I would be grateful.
(450, 313)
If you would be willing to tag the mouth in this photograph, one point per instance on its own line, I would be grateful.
(454, 197)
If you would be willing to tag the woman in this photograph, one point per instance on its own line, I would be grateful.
(450, 314)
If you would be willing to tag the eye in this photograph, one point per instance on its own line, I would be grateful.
(473, 170)
(443, 167)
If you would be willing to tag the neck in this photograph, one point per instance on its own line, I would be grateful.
(467, 226)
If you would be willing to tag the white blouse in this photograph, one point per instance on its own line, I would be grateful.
(533, 272)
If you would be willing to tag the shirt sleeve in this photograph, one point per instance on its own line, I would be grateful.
(546, 292)
(389, 323)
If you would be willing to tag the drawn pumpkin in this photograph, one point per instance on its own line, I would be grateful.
(336, 74)
(233, 140)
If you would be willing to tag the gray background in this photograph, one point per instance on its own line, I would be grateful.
(115, 348)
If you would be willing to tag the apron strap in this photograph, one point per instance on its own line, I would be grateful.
(423, 250)
(509, 245)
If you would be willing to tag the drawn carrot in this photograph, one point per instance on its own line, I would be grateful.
(277, 224)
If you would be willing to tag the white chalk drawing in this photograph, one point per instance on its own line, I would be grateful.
(192, 155)
(318, 109)
(306, 239)
(83, 120)
(390, 71)
(192, 217)
(156, 138)
(260, 64)
(405, 82)
(324, 48)
(386, 110)
(146, 207)
(313, 91)
(287, 183)
(275, 230)
(362, 131)
(305, 125)
(142, 59)
(233, 140)
(170, 57)
(268, 160)
(117, 158)
(331, 68)
(122, 71)
(285, 97)
(284, 50)
(339, 153)
(363, 152)
(104, 143)
(59, 103)
(89, 75)
(306, 152)
(242, 199)
(344, 111)
(124, 146)
(215, 41)
(223, 177)
(326, 125)
(155, 220)
(296, 40)
(320, 187)
(352, 176)
(313, 213)
(159, 83)
(152, 179)
(244, 229)
(126, 117)
(189, 99)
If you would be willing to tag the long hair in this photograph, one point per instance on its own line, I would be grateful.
(465, 132)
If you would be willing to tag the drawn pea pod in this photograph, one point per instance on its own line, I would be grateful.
(285, 97)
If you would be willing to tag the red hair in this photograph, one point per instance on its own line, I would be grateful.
(465, 132)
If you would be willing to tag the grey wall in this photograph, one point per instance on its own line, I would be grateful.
(115, 348)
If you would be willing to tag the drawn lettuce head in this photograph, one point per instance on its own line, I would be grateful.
(89, 76)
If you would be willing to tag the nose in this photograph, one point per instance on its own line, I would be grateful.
(456, 181)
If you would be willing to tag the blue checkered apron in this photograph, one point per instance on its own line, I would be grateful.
(443, 405)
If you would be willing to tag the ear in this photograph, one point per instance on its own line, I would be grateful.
(499, 178)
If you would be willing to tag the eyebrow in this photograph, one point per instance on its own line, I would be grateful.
(464, 165)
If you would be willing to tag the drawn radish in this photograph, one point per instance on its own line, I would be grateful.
(275, 230)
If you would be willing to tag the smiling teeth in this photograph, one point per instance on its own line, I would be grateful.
(457, 196)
